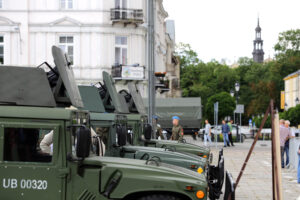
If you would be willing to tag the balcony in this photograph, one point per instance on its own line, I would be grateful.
(127, 16)
(128, 72)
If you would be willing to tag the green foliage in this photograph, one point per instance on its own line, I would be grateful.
(258, 121)
(226, 105)
(186, 55)
(206, 79)
(259, 82)
(293, 115)
(288, 44)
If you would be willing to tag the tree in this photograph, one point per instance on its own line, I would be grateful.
(226, 105)
(186, 55)
(293, 115)
(259, 82)
(288, 44)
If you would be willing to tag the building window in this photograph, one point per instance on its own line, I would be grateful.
(65, 4)
(67, 45)
(1, 49)
(121, 50)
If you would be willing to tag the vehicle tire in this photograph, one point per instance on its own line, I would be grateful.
(160, 197)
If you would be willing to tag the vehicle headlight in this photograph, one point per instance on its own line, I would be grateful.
(200, 170)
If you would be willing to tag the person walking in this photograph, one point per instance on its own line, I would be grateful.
(207, 133)
(177, 130)
(287, 143)
(284, 134)
(230, 132)
(225, 130)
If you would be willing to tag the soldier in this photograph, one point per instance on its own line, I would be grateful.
(157, 128)
(177, 130)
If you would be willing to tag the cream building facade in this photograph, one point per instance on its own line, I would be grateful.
(96, 34)
(291, 90)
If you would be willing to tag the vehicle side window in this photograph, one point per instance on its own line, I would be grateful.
(24, 145)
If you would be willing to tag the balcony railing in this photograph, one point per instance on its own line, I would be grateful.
(128, 72)
(126, 15)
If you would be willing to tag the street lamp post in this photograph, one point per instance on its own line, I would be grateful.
(236, 92)
(232, 94)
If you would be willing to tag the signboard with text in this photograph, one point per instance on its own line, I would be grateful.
(132, 72)
(239, 108)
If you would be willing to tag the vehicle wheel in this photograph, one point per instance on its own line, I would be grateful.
(159, 197)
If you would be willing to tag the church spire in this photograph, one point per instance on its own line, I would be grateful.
(258, 52)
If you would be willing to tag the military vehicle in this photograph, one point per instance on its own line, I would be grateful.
(189, 109)
(134, 99)
(33, 104)
(107, 124)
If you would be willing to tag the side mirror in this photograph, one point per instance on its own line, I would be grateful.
(147, 131)
(121, 134)
(83, 136)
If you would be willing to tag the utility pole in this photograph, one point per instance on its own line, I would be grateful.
(150, 59)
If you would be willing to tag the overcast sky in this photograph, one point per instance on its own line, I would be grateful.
(219, 29)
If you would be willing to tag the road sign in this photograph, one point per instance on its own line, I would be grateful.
(239, 108)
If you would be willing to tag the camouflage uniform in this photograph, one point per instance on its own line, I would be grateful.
(177, 133)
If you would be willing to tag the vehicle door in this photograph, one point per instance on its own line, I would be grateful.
(27, 171)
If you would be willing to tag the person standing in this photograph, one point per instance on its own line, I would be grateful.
(284, 134)
(281, 122)
(225, 130)
(177, 130)
(287, 142)
(207, 133)
(230, 132)
(157, 128)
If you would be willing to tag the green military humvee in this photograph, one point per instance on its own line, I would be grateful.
(29, 110)
(108, 124)
(179, 146)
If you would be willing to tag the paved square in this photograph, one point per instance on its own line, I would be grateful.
(256, 182)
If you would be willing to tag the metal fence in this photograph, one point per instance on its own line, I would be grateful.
(293, 152)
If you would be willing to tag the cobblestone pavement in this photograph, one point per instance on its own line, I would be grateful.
(256, 182)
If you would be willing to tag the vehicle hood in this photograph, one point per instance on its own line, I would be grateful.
(168, 153)
(140, 165)
(187, 145)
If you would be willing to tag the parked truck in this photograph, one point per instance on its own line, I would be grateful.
(189, 109)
